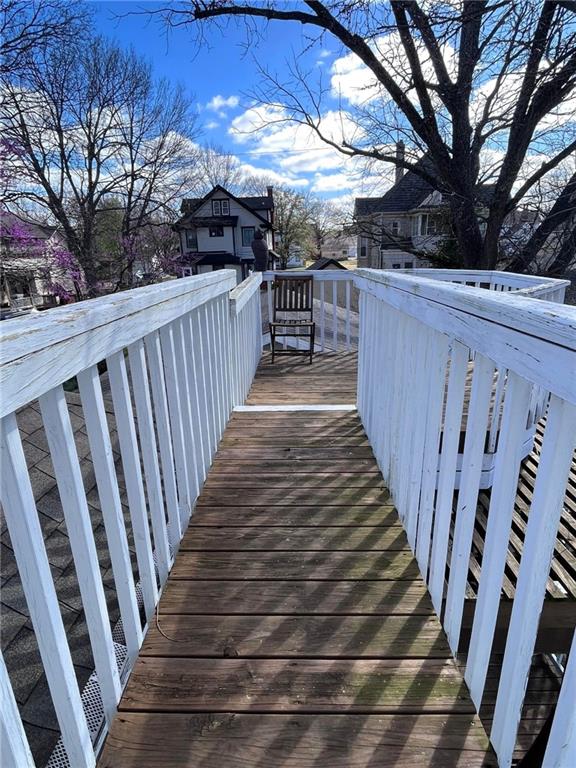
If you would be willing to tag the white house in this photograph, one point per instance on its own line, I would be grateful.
(216, 231)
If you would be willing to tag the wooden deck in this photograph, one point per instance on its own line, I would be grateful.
(295, 629)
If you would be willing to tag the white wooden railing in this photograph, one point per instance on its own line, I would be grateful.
(418, 338)
(335, 307)
(179, 355)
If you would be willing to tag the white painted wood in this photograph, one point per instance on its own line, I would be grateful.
(171, 378)
(335, 315)
(34, 570)
(547, 501)
(60, 437)
(447, 471)
(322, 317)
(160, 401)
(185, 398)
(254, 408)
(14, 748)
(536, 339)
(209, 378)
(124, 414)
(348, 310)
(105, 472)
(476, 427)
(216, 348)
(439, 346)
(561, 747)
(496, 410)
(143, 402)
(498, 533)
(201, 370)
(39, 352)
(196, 394)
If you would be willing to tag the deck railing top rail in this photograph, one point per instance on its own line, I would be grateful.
(536, 339)
(40, 351)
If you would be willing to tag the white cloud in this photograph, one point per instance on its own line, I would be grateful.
(211, 125)
(220, 104)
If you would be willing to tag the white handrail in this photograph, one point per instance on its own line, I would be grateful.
(410, 391)
(179, 356)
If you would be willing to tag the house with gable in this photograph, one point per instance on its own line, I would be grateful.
(216, 231)
(397, 229)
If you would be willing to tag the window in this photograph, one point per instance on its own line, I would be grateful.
(396, 266)
(395, 227)
(247, 236)
(220, 207)
(345, 252)
(408, 265)
(428, 224)
(191, 240)
(216, 231)
(363, 246)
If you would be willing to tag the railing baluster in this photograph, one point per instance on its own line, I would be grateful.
(14, 748)
(185, 410)
(105, 472)
(348, 311)
(335, 315)
(512, 429)
(60, 437)
(474, 442)
(436, 384)
(123, 412)
(322, 317)
(547, 502)
(561, 747)
(447, 470)
(143, 401)
(161, 412)
(30, 553)
(195, 385)
(177, 428)
(209, 377)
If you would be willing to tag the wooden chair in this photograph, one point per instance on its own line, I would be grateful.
(293, 295)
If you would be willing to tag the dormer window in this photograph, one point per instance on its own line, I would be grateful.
(220, 207)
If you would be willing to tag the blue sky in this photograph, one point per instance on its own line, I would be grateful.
(222, 76)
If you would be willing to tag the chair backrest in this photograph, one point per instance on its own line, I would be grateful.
(293, 294)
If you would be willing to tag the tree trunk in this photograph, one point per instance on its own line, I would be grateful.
(467, 233)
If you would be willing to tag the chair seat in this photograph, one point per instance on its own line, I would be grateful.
(302, 323)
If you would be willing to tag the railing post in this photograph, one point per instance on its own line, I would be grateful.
(14, 748)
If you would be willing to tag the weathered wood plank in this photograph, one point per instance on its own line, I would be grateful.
(291, 685)
(154, 740)
(277, 637)
(310, 480)
(291, 465)
(338, 598)
(337, 516)
(271, 496)
(261, 539)
(320, 566)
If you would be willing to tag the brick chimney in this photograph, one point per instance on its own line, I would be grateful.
(399, 171)
(270, 193)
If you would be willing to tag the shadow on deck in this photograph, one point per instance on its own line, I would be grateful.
(295, 628)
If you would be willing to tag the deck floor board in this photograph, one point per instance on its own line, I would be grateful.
(295, 630)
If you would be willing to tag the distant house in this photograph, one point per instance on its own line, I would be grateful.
(26, 272)
(411, 215)
(324, 263)
(216, 231)
(339, 246)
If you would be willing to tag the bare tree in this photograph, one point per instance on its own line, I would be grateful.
(30, 26)
(481, 87)
(88, 123)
